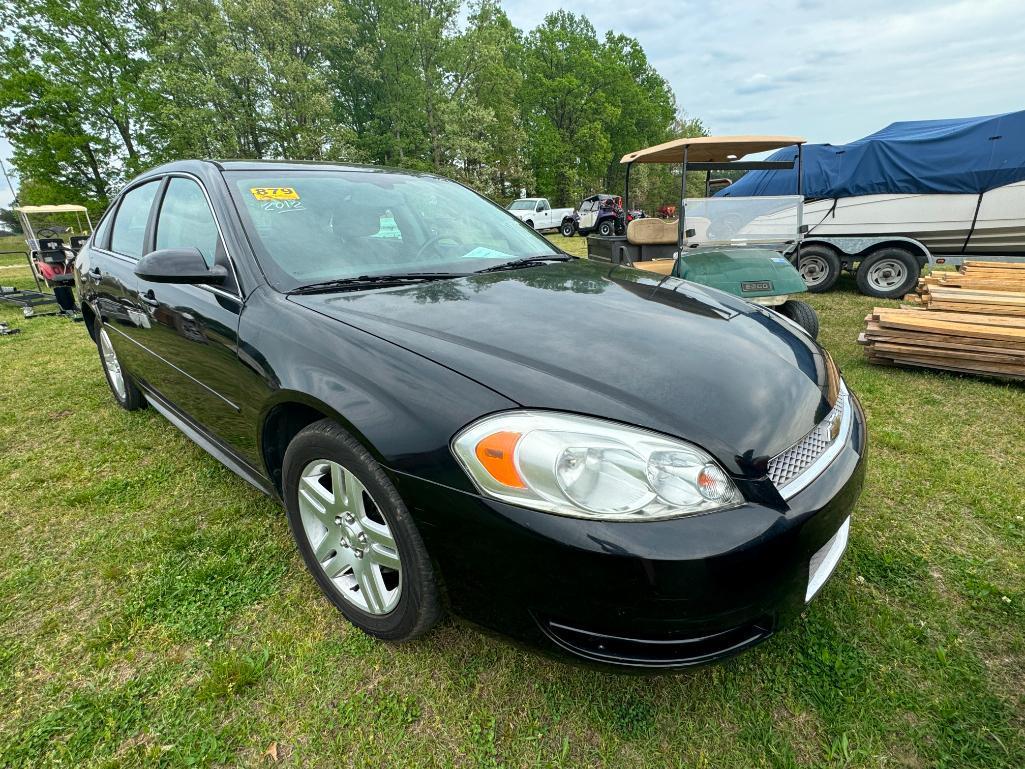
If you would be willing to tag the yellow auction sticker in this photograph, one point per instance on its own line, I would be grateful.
(274, 193)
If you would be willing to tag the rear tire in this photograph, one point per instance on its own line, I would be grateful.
(126, 394)
(568, 229)
(803, 314)
(819, 267)
(357, 539)
(888, 273)
(607, 228)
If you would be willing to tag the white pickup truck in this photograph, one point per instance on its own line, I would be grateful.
(539, 214)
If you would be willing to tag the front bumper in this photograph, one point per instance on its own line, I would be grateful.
(660, 594)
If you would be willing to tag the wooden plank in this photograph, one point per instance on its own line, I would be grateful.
(985, 309)
(891, 349)
(977, 295)
(874, 333)
(661, 266)
(970, 263)
(889, 320)
(979, 319)
(985, 368)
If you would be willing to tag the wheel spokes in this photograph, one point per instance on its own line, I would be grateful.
(368, 577)
(351, 540)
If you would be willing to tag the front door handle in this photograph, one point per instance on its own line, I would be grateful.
(150, 298)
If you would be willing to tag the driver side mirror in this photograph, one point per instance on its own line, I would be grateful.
(803, 229)
(179, 265)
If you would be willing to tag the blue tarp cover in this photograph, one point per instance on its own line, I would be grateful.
(969, 155)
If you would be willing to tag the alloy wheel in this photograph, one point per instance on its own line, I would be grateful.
(349, 537)
(112, 365)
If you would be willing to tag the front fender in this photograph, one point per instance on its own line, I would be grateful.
(402, 406)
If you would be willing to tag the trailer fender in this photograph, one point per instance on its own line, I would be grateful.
(853, 249)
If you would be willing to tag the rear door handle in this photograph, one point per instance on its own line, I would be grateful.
(150, 298)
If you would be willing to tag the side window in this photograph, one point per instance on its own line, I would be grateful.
(185, 220)
(102, 237)
(129, 230)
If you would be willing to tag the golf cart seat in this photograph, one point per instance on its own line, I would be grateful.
(77, 241)
(51, 251)
(652, 232)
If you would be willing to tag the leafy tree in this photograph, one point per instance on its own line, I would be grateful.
(93, 91)
(245, 78)
(72, 100)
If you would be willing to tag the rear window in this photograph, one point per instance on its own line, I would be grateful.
(309, 226)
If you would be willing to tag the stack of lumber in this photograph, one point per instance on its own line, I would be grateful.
(994, 288)
(971, 321)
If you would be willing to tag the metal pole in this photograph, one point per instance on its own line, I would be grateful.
(626, 191)
(681, 230)
(708, 182)
(800, 211)
(9, 184)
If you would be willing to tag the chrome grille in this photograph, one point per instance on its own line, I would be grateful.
(787, 466)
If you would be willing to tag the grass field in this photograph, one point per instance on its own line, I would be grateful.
(153, 611)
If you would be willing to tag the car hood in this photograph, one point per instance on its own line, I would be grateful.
(612, 342)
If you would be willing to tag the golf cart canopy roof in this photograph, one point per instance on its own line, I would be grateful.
(710, 149)
(64, 208)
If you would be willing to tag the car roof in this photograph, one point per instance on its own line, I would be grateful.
(276, 165)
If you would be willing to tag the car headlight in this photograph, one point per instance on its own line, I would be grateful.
(590, 468)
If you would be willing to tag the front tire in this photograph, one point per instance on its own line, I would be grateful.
(356, 536)
(803, 314)
(529, 223)
(126, 394)
(567, 229)
(820, 268)
(888, 273)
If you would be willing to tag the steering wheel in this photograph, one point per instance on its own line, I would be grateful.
(436, 238)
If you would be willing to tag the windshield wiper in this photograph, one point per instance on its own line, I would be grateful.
(527, 262)
(366, 281)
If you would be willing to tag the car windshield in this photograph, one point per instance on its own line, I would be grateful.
(522, 205)
(313, 226)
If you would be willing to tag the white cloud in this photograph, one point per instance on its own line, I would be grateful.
(829, 71)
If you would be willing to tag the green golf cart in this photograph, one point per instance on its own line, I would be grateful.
(735, 244)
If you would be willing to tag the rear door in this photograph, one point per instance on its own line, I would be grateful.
(192, 334)
(108, 280)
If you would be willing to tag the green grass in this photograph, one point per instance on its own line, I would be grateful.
(153, 611)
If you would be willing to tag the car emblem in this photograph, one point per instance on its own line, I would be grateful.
(756, 285)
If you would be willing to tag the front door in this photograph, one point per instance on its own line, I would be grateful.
(192, 334)
(542, 215)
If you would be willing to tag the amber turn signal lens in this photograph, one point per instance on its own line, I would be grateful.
(495, 452)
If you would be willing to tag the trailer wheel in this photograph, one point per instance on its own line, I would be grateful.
(820, 268)
(567, 228)
(803, 314)
(888, 273)
(607, 228)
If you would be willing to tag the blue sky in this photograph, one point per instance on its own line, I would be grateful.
(828, 71)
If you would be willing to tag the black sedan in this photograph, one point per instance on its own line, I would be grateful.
(627, 467)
